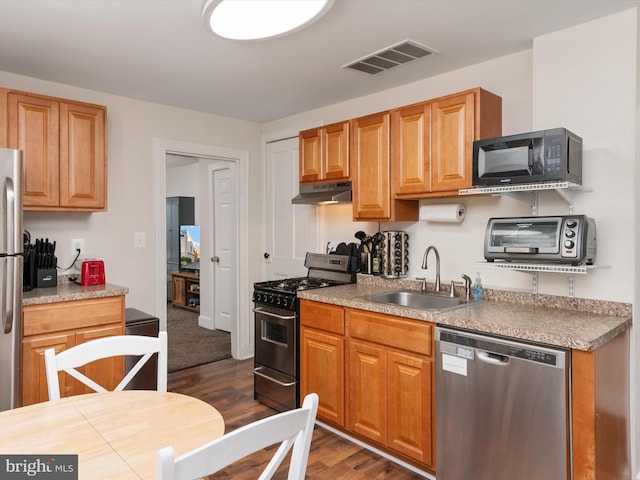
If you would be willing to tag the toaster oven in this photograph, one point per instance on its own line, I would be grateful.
(567, 239)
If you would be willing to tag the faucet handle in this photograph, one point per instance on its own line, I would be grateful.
(453, 284)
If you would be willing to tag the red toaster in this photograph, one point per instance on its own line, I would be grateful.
(92, 272)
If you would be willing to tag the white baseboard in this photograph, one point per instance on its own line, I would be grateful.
(360, 443)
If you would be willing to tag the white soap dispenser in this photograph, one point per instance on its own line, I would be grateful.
(478, 292)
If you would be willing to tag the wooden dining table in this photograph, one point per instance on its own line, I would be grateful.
(116, 435)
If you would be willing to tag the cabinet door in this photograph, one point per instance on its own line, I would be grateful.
(33, 128)
(370, 167)
(410, 401)
(34, 376)
(335, 148)
(178, 291)
(322, 372)
(368, 391)
(452, 129)
(83, 176)
(106, 372)
(310, 155)
(411, 148)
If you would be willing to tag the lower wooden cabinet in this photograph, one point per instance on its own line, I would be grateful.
(322, 367)
(374, 376)
(322, 348)
(61, 326)
(390, 377)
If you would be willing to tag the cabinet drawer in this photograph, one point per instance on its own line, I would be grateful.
(410, 335)
(322, 316)
(60, 316)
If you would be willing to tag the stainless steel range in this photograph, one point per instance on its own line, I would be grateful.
(277, 327)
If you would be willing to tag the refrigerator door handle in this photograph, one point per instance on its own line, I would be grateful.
(10, 215)
(9, 295)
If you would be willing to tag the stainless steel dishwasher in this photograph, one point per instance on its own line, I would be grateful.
(502, 409)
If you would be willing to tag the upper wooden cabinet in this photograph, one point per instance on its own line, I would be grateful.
(324, 154)
(432, 142)
(64, 145)
(373, 198)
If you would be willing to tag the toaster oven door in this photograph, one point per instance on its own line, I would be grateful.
(522, 238)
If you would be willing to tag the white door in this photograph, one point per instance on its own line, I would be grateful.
(225, 241)
(291, 229)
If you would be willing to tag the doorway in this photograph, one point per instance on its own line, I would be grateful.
(210, 159)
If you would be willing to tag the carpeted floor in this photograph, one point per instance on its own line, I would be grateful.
(191, 345)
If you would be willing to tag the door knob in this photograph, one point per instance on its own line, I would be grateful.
(267, 254)
(215, 259)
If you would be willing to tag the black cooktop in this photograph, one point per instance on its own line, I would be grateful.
(292, 285)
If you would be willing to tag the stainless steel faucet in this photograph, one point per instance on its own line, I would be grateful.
(467, 287)
(424, 264)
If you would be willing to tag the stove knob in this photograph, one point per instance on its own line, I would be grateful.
(270, 299)
(257, 297)
(570, 233)
(569, 244)
(285, 302)
(277, 300)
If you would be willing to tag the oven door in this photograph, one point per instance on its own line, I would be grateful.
(275, 382)
(276, 339)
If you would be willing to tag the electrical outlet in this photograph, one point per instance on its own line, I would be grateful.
(77, 243)
(139, 240)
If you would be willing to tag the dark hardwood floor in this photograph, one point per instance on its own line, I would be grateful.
(228, 386)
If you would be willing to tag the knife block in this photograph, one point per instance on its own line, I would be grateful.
(46, 277)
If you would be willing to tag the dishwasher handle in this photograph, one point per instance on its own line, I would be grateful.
(493, 358)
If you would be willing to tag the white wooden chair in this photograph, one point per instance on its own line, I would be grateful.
(291, 428)
(117, 345)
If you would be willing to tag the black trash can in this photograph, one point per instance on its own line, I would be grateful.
(140, 323)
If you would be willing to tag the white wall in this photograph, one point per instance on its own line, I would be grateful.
(132, 126)
(184, 181)
(599, 99)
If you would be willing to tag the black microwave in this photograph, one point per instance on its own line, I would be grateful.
(544, 156)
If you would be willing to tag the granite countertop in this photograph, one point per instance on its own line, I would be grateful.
(68, 291)
(566, 322)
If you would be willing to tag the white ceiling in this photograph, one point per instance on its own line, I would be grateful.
(159, 50)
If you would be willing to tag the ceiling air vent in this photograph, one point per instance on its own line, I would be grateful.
(390, 57)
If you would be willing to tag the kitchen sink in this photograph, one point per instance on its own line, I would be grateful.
(426, 301)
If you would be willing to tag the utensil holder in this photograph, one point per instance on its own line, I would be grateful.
(46, 277)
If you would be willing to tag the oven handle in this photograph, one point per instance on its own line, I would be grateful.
(266, 312)
(282, 384)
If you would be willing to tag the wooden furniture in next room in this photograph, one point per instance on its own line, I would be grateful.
(185, 287)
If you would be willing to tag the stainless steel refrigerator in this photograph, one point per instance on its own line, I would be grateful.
(11, 261)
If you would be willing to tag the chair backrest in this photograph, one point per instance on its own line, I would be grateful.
(291, 428)
(117, 345)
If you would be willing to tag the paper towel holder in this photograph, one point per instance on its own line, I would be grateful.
(443, 213)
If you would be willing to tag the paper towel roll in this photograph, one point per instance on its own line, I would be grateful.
(448, 213)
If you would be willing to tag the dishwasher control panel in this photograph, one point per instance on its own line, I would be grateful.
(466, 346)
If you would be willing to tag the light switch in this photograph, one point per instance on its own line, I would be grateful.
(139, 240)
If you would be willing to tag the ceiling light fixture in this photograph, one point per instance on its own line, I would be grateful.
(261, 19)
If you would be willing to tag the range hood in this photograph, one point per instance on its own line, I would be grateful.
(324, 193)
